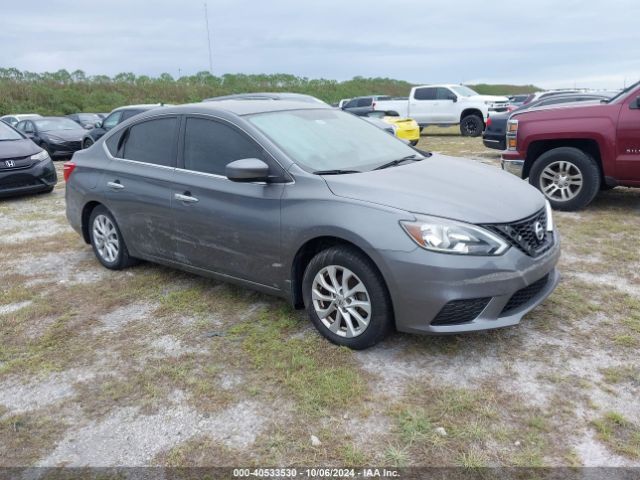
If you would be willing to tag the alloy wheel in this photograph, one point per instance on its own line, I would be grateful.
(105, 237)
(561, 181)
(341, 301)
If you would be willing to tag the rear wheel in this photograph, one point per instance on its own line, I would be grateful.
(87, 143)
(471, 126)
(106, 240)
(347, 298)
(567, 176)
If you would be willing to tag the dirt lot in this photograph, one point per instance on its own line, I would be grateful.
(152, 366)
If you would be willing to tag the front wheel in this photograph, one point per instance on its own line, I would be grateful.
(87, 143)
(346, 298)
(471, 126)
(567, 176)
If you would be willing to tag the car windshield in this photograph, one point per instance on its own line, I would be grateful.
(622, 93)
(464, 91)
(7, 133)
(50, 124)
(330, 140)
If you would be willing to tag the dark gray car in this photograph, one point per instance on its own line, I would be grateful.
(311, 204)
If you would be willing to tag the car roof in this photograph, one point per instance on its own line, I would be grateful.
(143, 106)
(263, 96)
(245, 107)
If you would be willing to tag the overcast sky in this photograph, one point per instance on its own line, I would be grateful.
(550, 43)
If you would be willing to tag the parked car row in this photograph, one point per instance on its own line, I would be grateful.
(442, 105)
(310, 203)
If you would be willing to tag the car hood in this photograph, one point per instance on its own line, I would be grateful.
(18, 149)
(443, 186)
(71, 135)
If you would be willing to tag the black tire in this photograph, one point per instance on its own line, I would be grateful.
(381, 315)
(86, 143)
(122, 259)
(471, 126)
(583, 162)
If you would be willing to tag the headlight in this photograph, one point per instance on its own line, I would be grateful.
(549, 216)
(449, 236)
(43, 155)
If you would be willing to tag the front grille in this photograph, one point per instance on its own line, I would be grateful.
(18, 163)
(525, 294)
(72, 145)
(460, 311)
(522, 234)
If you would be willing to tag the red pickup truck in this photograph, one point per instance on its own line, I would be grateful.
(571, 152)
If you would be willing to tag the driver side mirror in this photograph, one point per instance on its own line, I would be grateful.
(453, 98)
(98, 125)
(636, 103)
(247, 170)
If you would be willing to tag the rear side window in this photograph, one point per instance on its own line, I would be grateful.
(351, 103)
(427, 93)
(209, 146)
(364, 102)
(153, 141)
(128, 114)
(113, 142)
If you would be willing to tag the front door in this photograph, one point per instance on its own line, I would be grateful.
(628, 142)
(223, 226)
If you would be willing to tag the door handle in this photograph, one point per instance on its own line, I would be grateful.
(115, 185)
(185, 198)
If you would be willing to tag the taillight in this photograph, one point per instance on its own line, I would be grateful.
(373, 105)
(67, 170)
(489, 121)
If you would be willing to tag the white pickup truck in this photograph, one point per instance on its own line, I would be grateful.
(447, 105)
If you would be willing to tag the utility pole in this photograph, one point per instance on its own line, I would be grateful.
(206, 21)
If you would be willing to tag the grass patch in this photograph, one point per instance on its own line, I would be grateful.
(621, 374)
(321, 378)
(619, 434)
(26, 437)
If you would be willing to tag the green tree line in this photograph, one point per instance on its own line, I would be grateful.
(63, 92)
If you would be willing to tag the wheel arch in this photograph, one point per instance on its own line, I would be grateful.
(471, 111)
(309, 249)
(539, 147)
(86, 215)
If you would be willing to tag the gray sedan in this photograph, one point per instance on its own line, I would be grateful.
(311, 204)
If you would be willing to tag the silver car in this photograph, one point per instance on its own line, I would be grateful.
(311, 204)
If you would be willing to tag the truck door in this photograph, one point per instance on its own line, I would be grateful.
(423, 104)
(628, 141)
(446, 110)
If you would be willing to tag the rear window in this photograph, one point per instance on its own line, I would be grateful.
(428, 93)
(364, 102)
(153, 141)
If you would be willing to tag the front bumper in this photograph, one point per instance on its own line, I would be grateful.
(497, 142)
(67, 149)
(421, 283)
(37, 178)
(515, 167)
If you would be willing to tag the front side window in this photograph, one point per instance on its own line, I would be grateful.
(445, 94)
(152, 141)
(112, 120)
(209, 146)
(325, 139)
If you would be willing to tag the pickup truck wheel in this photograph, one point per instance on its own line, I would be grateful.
(471, 126)
(567, 176)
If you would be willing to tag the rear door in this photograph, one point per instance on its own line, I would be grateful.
(423, 104)
(628, 142)
(139, 186)
(223, 226)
